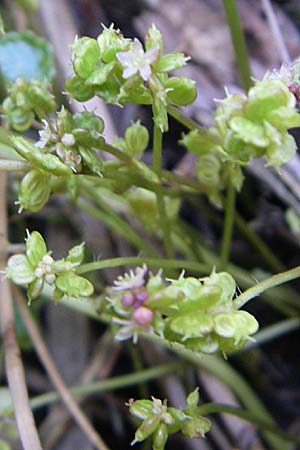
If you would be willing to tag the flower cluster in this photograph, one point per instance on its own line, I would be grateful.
(27, 100)
(159, 420)
(246, 127)
(198, 313)
(65, 147)
(120, 70)
(37, 267)
(72, 138)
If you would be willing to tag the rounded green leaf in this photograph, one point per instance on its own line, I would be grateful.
(19, 270)
(73, 285)
(192, 325)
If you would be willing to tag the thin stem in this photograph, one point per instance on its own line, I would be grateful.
(161, 206)
(183, 119)
(238, 41)
(13, 364)
(9, 165)
(211, 408)
(228, 226)
(269, 283)
(259, 244)
(55, 377)
(116, 223)
(158, 263)
(111, 384)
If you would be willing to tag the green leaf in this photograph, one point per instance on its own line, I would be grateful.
(73, 285)
(25, 55)
(19, 270)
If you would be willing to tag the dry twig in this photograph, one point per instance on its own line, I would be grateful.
(55, 377)
(14, 368)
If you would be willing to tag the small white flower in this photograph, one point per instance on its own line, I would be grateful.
(131, 280)
(137, 60)
(45, 135)
(285, 74)
(68, 139)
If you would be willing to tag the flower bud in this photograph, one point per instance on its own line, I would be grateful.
(160, 437)
(136, 138)
(140, 408)
(35, 288)
(223, 280)
(153, 38)
(90, 159)
(88, 120)
(208, 169)
(142, 316)
(78, 89)
(76, 254)
(19, 118)
(34, 191)
(265, 96)
(110, 42)
(196, 427)
(180, 91)
(85, 56)
(170, 62)
(127, 300)
(147, 428)
(201, 141)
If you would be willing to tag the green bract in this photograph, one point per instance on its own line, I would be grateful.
(159, 420)
(37, 267)
(120, 70)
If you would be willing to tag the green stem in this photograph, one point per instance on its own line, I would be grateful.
(161, 206)
(183, 119)
(238, 41)
(228, 226)
(9, 165)
(158, 263)
(110, 384)
(116, 223)
(259, 244)
(211, 408)
(269, 283)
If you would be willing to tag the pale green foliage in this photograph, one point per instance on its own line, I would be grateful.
(159, 420)
(37, 267)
